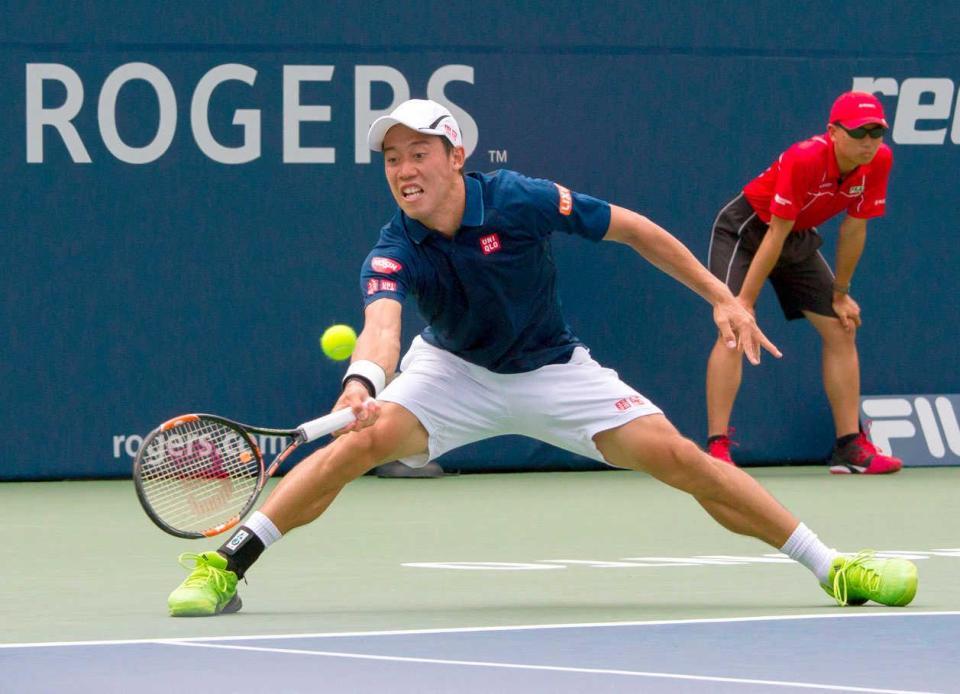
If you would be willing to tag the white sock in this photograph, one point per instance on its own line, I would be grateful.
(263, 528)
(805, 547)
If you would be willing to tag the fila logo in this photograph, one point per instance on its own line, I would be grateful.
(896, 418)
(856, 190)
(490, 243)
(385, 265)
(780, 200)
(627, 403)
(566, 200)
(237, 540)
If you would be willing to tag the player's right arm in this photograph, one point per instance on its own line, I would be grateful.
(379, 343)
(764, 260)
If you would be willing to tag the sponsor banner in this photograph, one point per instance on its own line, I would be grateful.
(187, 212)
(920, 429)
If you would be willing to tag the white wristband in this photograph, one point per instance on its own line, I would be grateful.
(371, 371)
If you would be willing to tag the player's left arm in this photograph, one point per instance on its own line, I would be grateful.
(658, 246)
(850, 244)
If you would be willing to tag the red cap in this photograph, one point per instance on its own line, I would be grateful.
(854, 109)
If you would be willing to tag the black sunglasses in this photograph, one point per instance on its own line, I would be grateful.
(861, 132)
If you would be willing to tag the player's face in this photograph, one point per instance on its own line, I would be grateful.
(422, 174)
(852, 151)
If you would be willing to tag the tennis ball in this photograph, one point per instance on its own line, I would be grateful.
(338, 342)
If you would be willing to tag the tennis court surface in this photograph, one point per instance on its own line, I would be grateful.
(552, 582)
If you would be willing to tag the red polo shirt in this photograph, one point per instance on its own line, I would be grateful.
(804, 185)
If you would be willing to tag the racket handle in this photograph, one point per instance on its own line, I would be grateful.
(315, 428)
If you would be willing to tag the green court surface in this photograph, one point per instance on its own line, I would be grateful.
(82, 562)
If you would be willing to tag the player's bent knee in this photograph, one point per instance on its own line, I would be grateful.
(358, 452)
(348, 457)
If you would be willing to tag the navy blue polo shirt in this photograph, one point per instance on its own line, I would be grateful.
(488, 294)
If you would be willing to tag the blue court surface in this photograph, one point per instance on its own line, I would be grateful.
(543, 582)
(875, 652)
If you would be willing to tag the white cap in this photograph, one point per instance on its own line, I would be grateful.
(422, 115)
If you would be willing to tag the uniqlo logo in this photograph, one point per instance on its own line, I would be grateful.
(566, 200)
(385, 265)
(490, 243)
(373, 286)
(388, 286)
(452, 134)
(627, 403)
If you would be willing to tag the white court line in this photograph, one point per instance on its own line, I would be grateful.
(459, 630)
(551, 668)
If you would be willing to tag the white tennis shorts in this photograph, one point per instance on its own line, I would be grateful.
(561, 404)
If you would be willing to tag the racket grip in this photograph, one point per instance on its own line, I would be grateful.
(315, 428)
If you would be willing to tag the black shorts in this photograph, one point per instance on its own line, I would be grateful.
(802, 278)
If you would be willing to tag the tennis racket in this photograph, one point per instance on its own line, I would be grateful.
(198, 475)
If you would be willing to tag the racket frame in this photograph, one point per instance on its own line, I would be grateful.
(306, 432)
(263, 475)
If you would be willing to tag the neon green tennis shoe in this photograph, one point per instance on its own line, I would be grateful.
(209, 589)
(854, 580)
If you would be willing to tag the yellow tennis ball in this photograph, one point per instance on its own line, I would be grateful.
(338, 342)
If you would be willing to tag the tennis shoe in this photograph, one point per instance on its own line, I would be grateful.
(719, 447)
(862, 577)
(209, 589)
(861, 457)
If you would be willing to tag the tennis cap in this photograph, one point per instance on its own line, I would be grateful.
(853, 109)
(422, 115)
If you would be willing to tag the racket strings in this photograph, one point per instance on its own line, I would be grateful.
(199, 474)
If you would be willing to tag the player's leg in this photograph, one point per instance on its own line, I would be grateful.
(305, 492)
(302, 495)
(736, 500)
(438, 402)
(741, 504)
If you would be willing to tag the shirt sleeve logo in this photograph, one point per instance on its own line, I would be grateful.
(374, 285)
(566, 200)
(780, 200)
(385, 265)
(490, 243)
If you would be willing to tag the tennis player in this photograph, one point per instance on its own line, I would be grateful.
(497, 358)
(770, 231)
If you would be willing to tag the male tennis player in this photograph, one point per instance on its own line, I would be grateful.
(498, 358)
(770, 230)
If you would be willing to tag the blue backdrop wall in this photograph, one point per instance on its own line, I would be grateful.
(177, 233)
